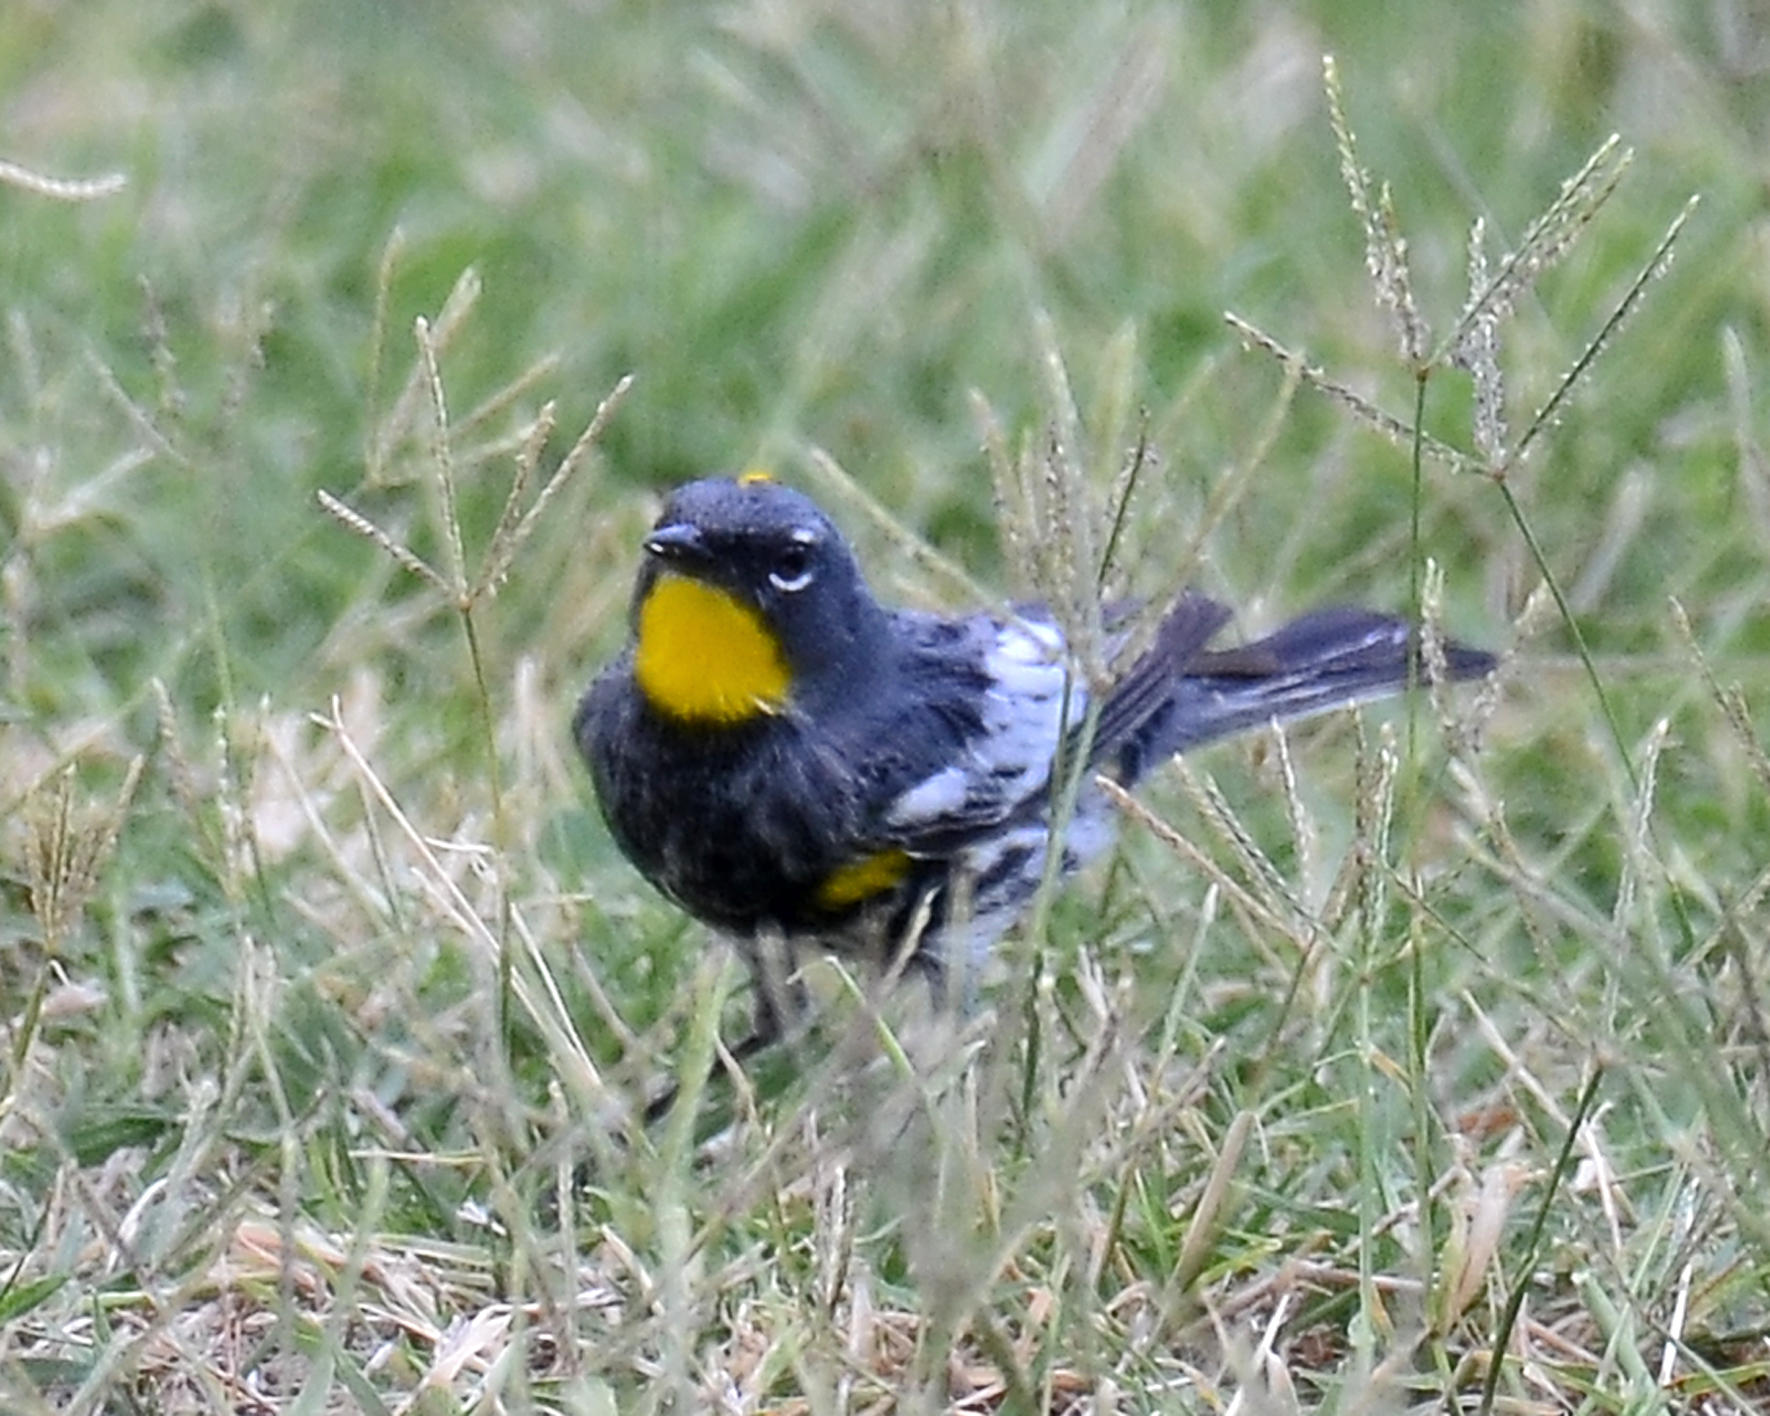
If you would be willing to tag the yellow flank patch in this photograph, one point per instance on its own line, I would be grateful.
(862, 879)
(704, 656)
(751, 476)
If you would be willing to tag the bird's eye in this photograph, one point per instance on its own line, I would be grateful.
(792, 568)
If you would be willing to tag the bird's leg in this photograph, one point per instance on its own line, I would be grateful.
(781, 1007)
(782, 1002)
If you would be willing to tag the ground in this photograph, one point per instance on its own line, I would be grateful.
(1413, 1046)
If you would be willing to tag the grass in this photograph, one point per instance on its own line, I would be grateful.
(1416, 1060)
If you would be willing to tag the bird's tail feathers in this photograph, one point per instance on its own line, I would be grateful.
(1329, 659)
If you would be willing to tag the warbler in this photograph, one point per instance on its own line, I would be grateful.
(783, 756)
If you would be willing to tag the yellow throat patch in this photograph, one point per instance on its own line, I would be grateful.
(704, 656)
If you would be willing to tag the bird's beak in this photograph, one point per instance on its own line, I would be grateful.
(676, 542)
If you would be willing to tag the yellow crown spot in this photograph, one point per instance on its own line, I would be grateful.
(703, 656)
(862, 879)
(753, 475)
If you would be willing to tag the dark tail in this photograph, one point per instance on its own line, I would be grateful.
(1324, 660)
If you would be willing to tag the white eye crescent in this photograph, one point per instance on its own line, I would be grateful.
(793, 570)
(793, 574)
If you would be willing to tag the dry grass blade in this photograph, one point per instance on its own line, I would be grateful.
(1374, 818)
(1111, 423)
(1060, 511)
(1472, 1249)
(1071, 515)
(1395, 285)
(1210, 802)
(1224, 496)
(49, 847)
(1124, 96)
(1304, 837)
(66, 846)
(1432, 651)
(528, 457)
(96, 495)
(232, 791)
(171, 403)
(1545, 241)
(1066, 418)
(1478, 352)
(62, 189)
(1385, 251)
(142, 420)
(1124, 489)
(1357, 180)
(504, 546)
(1638, 856)
(1400, 433)
(1045, 504)
(1730, 700)
(376, 903)
(567, 1051)
(515, 524)
(374, 447)
(397, 421)
(507, 394)
(1668, 1362)
(1754, 466)
(442, 459)
(1209, 1215)
(1012, 525)
(175, 761)
(355, 521)
(584, 1072)
(895, 531)
(1502, 1338)
(1460, 718)
(1656, 266)
(1202, 861)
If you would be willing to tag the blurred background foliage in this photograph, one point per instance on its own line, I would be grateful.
(825, 224)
